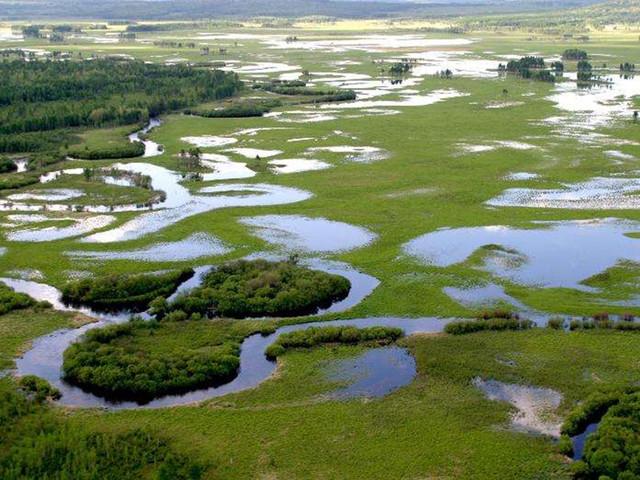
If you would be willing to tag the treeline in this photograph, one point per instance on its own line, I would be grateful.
(299, 88)
(123, 291)
(45, 95)
(315, 336)
(237, 110)
(256, 288)
(38, 443)
(110, 363)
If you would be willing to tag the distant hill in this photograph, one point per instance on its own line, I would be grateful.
(197, 9)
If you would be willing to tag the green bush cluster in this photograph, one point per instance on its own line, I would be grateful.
(18, 180)
(7, 165)
(123, 291)
(612, 452)
(261, 288)
(314, 336)
(600, 321)
(492, 324)
(108, 362)
(122, 150)
(589, 411)
(11, 300)
(39, 388)
(38, 444)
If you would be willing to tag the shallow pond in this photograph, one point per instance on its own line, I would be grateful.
(295, 233)
(553, 254)
(536, 407)
(196, 245)
(596, 194)
(374, 373)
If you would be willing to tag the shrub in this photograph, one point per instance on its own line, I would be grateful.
(556, 323)
(123, 291)
(613, 450)
(315, 336)
(260, 288)
(7, 165)
(39, 388)
(492, 324)
(589, 411)
(108, 362)
(565, 445)
(11, 300)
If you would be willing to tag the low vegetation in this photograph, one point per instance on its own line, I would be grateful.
(37, 443)
(314, 336)
(259, 288)
(123, 291)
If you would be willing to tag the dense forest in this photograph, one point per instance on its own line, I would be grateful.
(41, 96)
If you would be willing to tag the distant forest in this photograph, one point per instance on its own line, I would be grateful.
(190, 9)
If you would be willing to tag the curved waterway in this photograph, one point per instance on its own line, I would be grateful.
(45, 357)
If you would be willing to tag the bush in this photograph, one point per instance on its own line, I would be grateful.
(7, 165)
(108, 362)
(315, 336)
(565, 445)
(613, 450)
(556, 323)
(492, 324)
(18, 180)
(260, 288)
(124, 150)
(39, 388)
(10, 301)
(123, 291)
(589, 411)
